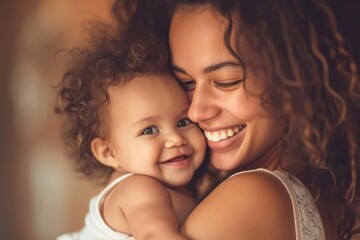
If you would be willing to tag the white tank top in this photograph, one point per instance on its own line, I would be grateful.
(308, 224)
(95, 227)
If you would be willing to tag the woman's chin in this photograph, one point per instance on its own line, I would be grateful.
(224, 161)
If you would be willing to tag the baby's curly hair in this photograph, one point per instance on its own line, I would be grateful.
(111, 57)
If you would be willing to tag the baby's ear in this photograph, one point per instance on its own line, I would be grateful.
(103, 152)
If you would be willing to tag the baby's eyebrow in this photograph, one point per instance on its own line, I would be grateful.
(145, 119)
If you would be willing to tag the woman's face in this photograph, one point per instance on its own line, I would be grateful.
(239, 130)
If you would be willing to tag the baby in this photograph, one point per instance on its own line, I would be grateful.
(127, 122)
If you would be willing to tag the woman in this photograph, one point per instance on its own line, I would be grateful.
(278, 98)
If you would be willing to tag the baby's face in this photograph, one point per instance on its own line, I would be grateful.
(150, 131)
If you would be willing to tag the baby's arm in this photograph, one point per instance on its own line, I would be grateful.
(148, 208)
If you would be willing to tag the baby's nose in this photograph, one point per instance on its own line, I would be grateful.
(175, 140)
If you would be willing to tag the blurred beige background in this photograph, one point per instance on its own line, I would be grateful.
(41, 196)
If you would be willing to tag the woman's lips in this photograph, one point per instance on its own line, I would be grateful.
(217, 141)
(221, 135)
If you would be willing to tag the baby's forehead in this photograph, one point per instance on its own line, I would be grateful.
(149, 88)
(154, 94)
(144, 78)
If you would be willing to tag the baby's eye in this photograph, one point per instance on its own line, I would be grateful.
(184, 122)
(149, 131)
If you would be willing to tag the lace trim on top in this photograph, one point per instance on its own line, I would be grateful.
(308, 224)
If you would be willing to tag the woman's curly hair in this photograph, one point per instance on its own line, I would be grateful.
(313, 80)
(113, 56)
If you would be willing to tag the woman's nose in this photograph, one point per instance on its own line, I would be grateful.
(202, 106)
(175, 140)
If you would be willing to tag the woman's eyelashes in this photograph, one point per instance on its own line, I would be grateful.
(228, 85)
(189, 85)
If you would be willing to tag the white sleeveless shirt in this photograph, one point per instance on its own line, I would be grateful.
(95, 227)
(308, 224)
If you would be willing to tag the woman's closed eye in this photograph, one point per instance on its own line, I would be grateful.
(149, 131)
(188, 85)
(228, 85)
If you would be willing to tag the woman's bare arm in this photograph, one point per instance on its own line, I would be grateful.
(247, 206)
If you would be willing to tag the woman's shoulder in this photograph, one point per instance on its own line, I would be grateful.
(250, 205)
(261, 189)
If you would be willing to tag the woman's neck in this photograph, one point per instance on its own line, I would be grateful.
(269, 160)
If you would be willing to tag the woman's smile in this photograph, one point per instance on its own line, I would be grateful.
(222, 140)
(221, 135)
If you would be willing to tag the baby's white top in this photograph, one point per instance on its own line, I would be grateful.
(95, 227)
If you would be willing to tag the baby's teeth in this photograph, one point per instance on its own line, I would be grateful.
(236, 130)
